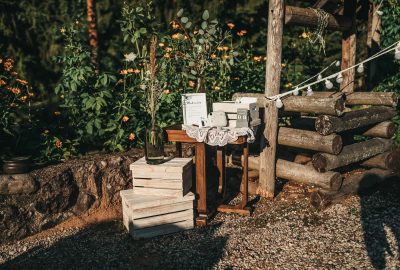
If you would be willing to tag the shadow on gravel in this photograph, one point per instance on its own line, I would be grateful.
(380, 212)
(109, 246)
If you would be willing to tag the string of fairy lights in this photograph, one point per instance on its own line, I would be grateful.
(338, 76)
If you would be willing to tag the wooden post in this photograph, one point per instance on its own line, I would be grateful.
(373, 42)
(349, 47)
(272, 85)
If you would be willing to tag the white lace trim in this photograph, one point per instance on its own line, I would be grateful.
(218, 137)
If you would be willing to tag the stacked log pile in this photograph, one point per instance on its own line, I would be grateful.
(321, 130)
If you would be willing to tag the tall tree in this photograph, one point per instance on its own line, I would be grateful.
(92, 28)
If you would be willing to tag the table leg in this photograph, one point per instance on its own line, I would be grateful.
(201, 189)
(221, 169)
(178, 147)
(245, 180)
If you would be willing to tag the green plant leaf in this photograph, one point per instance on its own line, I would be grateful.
(180, 12)
(204, 25)
(184, 19)
(188, 25)
(205, 15)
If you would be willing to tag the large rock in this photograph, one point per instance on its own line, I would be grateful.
(45, 197)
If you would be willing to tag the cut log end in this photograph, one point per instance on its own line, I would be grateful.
(337, 144)
(319, 162)
(336, 182)
(339, 106)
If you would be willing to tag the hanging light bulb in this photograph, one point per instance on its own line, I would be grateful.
(319, 77)
(360, 68)
(309, 91)
(339, 78)
(279, 103)
(328, 84)
(337, 63)
(296, 91)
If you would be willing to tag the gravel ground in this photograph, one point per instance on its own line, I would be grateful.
(355, 233)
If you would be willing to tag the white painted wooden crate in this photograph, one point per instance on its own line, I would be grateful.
(231, 106)
(172, 178)
(147, 216)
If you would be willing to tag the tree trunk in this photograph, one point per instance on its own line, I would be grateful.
(310, 140)
(387, 161)
(272, 86)
(383, 130)
(327, 124)
(92, 30)
(350, 154)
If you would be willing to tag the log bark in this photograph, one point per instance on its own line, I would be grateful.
(311, 104)
(303, 174)
(310, 140)
(388, 161)
(272, 87)
(365, 98)
(305, 122)
(359, 183)
(383, 130)
(327, 124)
(350, 154)
(307, 17)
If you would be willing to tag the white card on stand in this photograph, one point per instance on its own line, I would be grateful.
(194, 108)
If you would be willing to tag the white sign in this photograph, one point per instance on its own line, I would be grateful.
(194, 109)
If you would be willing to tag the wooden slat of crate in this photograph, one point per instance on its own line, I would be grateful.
(185, 176)
(233, 116)
(158, 192)
(135, 201)
(162, 229)
(159, 210)
(162, 219)
(175, 165)
(231, 107)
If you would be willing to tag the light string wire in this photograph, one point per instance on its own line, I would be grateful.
(378, 54)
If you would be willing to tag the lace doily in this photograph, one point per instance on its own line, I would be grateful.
(218, 137)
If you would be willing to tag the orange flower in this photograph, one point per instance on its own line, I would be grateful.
(24, 98)
(2, 82)
(230, 25)
(241, 33)
(46, 131)
(57, 113)
(217, 88)
(136, 71)
(257, 58)
(220, 48)
(213, 56)
(168, 49)
(161, 44)
(131, 136)
(8, 64)
(167, 55)
(166, 91)
(123, 72)
(15, 90)
(225, 56)
(14, 73)
(176, 36)
(174, 25)
(31, 94)
(125, 118)
(225, 48)
(1, 60)
(23, 82)
(58, 144)
(191, 84)
(304, 35)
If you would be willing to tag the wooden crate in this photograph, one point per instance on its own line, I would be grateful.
(173, 178)
(147, 216)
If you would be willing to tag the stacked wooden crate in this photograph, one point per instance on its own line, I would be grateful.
(160, 201)
(231, 108)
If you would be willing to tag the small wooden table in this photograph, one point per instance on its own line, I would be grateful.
(176, 134)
